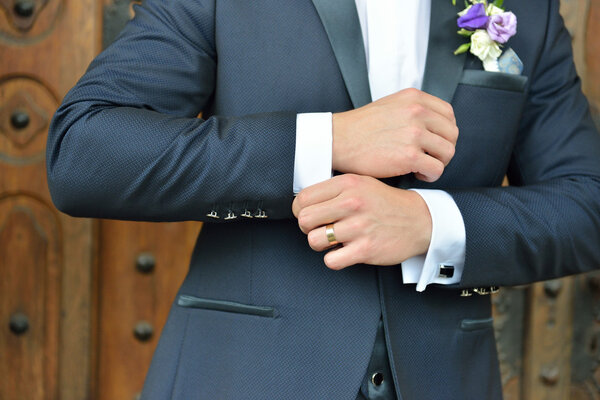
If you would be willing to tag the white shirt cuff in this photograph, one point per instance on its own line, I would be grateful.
(447, 247)
(312, 161)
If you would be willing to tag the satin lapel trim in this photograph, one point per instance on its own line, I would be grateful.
(443, 69)
(340, 19)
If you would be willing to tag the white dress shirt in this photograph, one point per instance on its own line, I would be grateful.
(395, 35)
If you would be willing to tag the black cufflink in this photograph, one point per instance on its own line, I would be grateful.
(446, 271)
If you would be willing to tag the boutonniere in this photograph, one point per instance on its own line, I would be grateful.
(488, 26)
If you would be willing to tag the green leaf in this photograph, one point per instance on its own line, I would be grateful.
(462, 49)
(454, 3)
(465, 33)
(499, 3)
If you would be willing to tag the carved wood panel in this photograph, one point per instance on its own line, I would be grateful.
(28, 21)
(585, 357)
(30, 256)
(45, 256)
(25, 111)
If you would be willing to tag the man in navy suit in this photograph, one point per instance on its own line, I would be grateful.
(291, 91)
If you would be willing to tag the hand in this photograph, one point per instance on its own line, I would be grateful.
(408, 131)
(376, 223)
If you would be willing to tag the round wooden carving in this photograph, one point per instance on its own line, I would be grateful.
(26, 108)
(27, 21)
(30, 256)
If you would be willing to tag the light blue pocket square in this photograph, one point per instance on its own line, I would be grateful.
(510, 63)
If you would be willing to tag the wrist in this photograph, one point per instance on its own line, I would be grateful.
(424, 222)
(338, 127)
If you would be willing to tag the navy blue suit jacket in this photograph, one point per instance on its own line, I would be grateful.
(259, 316)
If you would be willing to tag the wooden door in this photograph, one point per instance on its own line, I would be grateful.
(82, 302)
(45, 256)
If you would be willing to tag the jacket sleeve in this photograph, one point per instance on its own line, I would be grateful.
(547, 223)
(126, 142)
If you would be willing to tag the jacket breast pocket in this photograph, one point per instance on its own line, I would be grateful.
(488, 108)
(494, 80)
(189, 301)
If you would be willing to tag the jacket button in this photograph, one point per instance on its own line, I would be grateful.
(213, 214)
(260, 214)
(247, 214)
(377, 378)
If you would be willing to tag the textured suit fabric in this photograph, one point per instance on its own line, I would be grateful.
(126, 144)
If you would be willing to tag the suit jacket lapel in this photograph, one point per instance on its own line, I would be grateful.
(443, 69)
(341, 23)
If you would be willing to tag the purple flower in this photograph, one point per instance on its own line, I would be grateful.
(502, 27)
(474, 18)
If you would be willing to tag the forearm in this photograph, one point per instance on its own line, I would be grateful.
(132, 163)
(126, 142)
(520, 235)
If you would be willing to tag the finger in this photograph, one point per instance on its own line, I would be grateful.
(438, 105)
(329, 211)
(421, 177)
(344, 231)
(317, 193)
(437, 147)
(426, 100)
(441, 126)
(428, 168)
(345, 256)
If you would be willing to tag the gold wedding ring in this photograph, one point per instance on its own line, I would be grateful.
(330, 235)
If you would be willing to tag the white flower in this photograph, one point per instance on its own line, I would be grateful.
(493, 10)
(491, 64)
(484, 47)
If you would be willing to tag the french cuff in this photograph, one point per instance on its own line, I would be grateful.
(445, 260)
(314, 141)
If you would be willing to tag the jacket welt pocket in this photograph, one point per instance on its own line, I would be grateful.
(189, 301)
(493, 80)
(476, 324)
